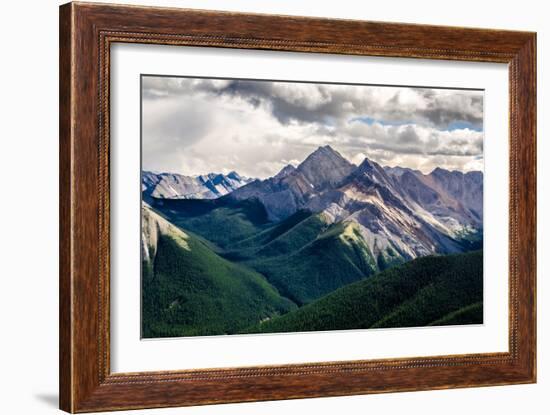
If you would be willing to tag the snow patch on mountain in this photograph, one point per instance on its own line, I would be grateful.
(177, 186)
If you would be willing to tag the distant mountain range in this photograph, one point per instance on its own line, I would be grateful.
(308, 230)
(177, 186)
(397, 210)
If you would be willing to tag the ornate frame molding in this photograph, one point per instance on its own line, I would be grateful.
(87, 32)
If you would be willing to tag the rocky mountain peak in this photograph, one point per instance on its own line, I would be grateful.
(443, 173)
(178, 186)
(324, 167)
(431, 207)
(285, 171)
(325, 153)
(366, 166)
(397, 171)
(234, 175)
(374, 172)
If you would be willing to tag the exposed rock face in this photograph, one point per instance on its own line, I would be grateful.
(400, 212)
(466, 189)
(324, 168)
(153, 225)
(177, 186)
(285, 171)
(455, 198)
(292, 188)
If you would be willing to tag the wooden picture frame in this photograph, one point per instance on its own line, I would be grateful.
(86, 33)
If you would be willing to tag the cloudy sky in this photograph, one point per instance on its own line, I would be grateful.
(194, 126)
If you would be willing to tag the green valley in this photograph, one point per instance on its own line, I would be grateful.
(433, 290)
(303, 256)
(189, 290)
(220, 267)
(281, 206)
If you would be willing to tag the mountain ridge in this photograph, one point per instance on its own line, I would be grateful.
(223, 254)
(190, 290)
(179, 186)
(429, 291)
(398, 211)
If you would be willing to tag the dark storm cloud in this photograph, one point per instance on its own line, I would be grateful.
(194, 124)
(460, 107)
(324, 103)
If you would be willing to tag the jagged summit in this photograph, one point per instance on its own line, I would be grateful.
(395, 208)
(178, 186)
(397, 171)
(399, 213)
(439, 171)
(325, 167)
(325, 153)
(374, 172)
(366, 165)
(285, 171)
(326, 149)
(234, 175)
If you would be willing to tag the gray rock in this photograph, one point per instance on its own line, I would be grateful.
(177, 186)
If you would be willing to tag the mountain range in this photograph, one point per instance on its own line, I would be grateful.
(396, 210)
(297, 237)
(177, 186)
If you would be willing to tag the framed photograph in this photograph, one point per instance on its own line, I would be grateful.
(258, 207)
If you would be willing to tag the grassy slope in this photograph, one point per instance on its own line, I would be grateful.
(190, 290)
(220, 221)
(306, 259)
(328, 260)
(436, 290)
(282, 238)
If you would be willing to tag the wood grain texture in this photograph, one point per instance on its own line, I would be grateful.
(65, 245)
(86, 33)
